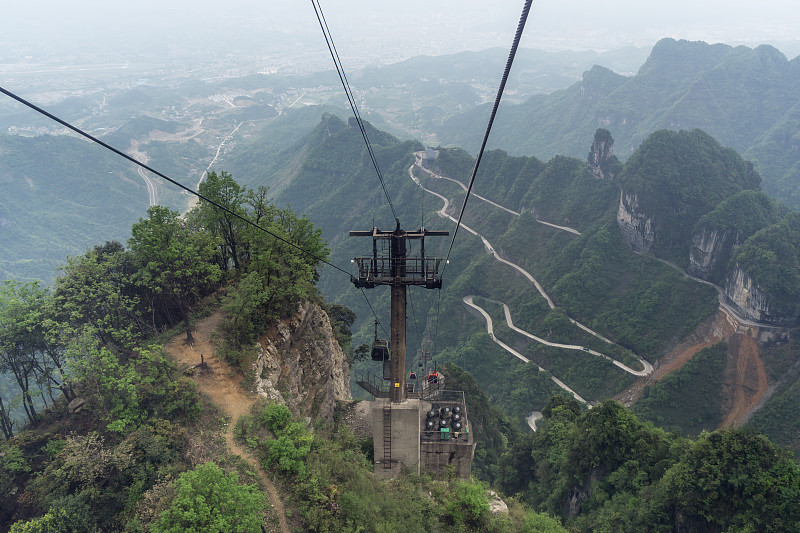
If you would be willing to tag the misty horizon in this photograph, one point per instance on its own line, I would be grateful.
(370, 33)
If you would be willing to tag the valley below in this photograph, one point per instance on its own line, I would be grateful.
(624, 327)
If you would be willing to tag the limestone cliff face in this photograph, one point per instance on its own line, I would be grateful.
(601, 152)
(637, 228)
(301, 364)
(751, 301)
(711, 248)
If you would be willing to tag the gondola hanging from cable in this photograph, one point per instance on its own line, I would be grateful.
(380, 347)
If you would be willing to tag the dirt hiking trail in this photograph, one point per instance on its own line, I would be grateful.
(221, 385)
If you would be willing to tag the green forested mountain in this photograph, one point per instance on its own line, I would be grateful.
(743, 97)
(257, 161)
(772, 257)
(736, 218)
(146, 453)
(60, 195)
(135, 465)
(131, 445)
(559, 123)
(593, 277)
(677, 177)
(686, 199)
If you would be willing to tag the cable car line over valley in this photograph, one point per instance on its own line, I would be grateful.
(143, 165)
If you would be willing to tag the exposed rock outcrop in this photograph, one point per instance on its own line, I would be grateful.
(753, 302)
(301, 364)
(496, 503)
(601, 161)
(711, 249)
(637, 228)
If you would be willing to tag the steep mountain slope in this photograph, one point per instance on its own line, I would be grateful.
(727, 226)
(135, 443)
(60, 195)
(672, 180)
(589, 272)
(745, 98)
(598, 469)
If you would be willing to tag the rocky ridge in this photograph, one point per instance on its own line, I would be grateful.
(711, 248)
(750, 300)
(300, 364)
(637, 228)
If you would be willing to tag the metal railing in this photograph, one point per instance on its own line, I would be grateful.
(417, 270)
(449, 396)
(373, 384)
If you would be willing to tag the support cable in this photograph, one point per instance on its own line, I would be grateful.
(517, 37)
(438, 308)
(323, 24)
(170, 180)
(374, 313)
(521, 26)
(159, 174)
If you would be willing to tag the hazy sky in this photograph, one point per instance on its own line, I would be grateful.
(457, 24)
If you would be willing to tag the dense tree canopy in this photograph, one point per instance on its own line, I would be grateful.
(209, 500)
(772, 258)
(604, 470)
(174, 263)
(89, 338)
(680, 176)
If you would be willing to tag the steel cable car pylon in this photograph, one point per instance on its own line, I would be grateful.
(398, 271)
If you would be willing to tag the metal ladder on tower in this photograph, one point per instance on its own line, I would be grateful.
(387, 436)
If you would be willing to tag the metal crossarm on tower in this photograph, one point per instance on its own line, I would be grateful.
(379, 269)
(397, 270)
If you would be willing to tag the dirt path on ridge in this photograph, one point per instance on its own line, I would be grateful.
(221, 385)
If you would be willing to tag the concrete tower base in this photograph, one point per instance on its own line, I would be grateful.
(396, 437)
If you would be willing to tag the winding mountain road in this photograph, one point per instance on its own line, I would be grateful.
(193, 201)
(745, 399)
(418, 164)
(443, 212)
(512, 351)
(723, 298)
(152, 192)
(648, 368)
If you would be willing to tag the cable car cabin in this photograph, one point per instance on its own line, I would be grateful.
(380, 350)
(433, 377)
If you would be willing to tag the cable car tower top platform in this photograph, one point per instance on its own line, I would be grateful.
(397, 267)
(397, 270)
